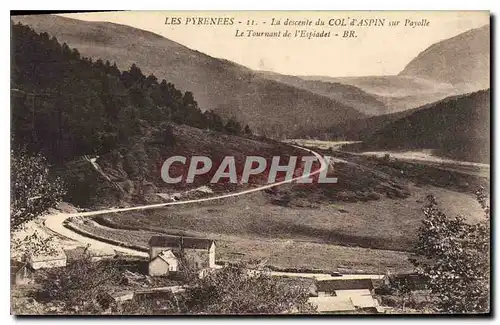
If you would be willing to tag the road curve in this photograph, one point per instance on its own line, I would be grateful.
(55, 222)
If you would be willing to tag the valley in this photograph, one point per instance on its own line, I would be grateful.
(280, 225)
(121, 136)
(376, 204)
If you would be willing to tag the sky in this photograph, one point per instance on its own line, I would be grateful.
(376, 50)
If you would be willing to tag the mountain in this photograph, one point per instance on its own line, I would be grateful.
(66, 106)
(397, 93)
(346, 94)
(267, 106)
(131, 173)
(107, 132)
(364, 128)
(460, 60)
(457, 128)
(454, 66)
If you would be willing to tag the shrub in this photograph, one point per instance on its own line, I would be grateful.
(455, 255)
(374, 196)
(80, 287)
(232, 290)
(33, 190)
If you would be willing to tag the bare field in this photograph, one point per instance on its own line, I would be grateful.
(280, 254)
(383, 224)
(370, 227)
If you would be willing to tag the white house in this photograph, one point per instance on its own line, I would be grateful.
(163, 264)
(165, 252)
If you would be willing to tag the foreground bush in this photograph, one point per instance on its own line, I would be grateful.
(233, 290)
(80, 287)
(455, 256)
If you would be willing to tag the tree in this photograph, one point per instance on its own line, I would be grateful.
(455, 256)
(33, 190)
(80, 287)
(67, 106)
(402, 289)
(232, 290)
(233, 126)
(247, 130)
(168, 135)
(213, 121)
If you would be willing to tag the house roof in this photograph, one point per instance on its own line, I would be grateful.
(167, 256)
(15, 266)
(349, 284)
(175, 241)
(332, 304)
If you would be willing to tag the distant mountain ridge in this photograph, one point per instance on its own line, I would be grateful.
(347, 94)
(278, 105)
(454, 66)
(267, 106)
(397, 93)
(463, 59)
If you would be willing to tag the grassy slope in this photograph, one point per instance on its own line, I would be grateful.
(381, 224)
(283, 254)
(328, 237)
(145, 156)
(268, 106)
(360, 234)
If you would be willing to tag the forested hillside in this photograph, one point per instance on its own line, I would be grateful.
(66, 105)
(345, 94)
(270, 108)
(457, 128)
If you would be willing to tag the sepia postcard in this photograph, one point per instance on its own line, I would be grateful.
(250, 163)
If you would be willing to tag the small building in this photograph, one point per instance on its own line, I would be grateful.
(163, 264)
(345, 296)
(56, 258)
(122, 295)
(165, 253)
(339, 287)
(333, 305)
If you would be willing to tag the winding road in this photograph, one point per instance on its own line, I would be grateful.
(55, 222)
